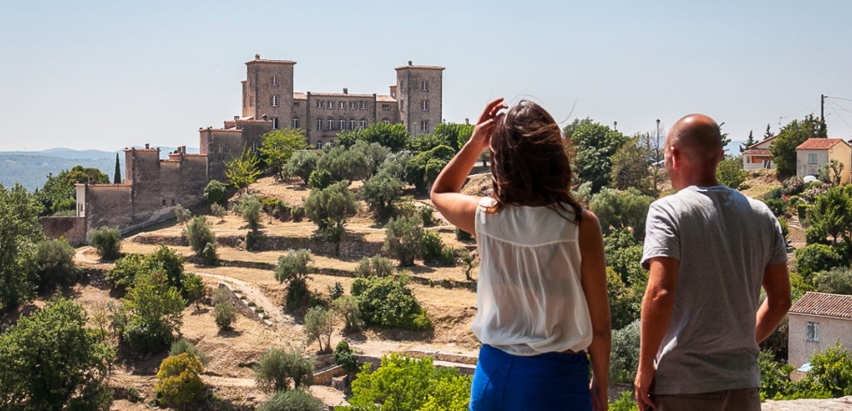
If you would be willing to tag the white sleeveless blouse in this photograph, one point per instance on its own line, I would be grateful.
(529, 296)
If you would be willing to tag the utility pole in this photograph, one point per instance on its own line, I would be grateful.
(822, 108)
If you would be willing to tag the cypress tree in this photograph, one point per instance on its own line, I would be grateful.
(117, 178)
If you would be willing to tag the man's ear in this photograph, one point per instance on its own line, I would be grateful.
(676, 157)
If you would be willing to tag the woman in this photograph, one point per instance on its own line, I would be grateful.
(541, 296)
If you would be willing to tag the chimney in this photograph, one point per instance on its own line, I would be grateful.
(257, 56)
(236, 118)
(90, 180)
(467, 121)
(345, 90)
(147, 146)
(264, 117)
(409, 62)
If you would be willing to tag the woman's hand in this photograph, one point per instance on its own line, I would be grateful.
(600, 401)
(481, 138)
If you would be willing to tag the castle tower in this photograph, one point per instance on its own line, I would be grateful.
(268, 90)
(419, 91)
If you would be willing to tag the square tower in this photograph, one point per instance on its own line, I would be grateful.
(419, 91)
(268, 90)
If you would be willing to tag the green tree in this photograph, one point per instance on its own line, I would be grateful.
(346, 307)
(831, 371)
(182, 345)
(107, 241)
(835, 281)
(294, 400)
(621, 210)
(815, 258)
(55, 259)
(392, 136)
(331, 207)
(381, 191)
(750, 142)
(249, 208)
(302, 163)
(154, 312)
(625, 353)
(374, 266)
(344, 357)
(375, 154)
(724, 136)
(243, 170)
(454, 135)
(123, 273)
(20, 231)
(193, 286)
(319, 325)
(783, 149)
(423, 168)
(830, 213)
(278, 370)
(170, 263)
(116, 179)
(595, 145)
(59, 194)
(215, 192)
(730, 172)
(389, 302)
(768, 133)
(402, 238)
(293, 266)
(345, 164)
(279, 145)
(179, 381)
(218, 211)
(51, 360)
(199, 234)
(630, 166)
(182, 215)
(224, 314)
(320, 179)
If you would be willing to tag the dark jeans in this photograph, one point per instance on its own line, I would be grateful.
(549, 381)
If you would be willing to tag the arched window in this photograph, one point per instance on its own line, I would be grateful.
(341, 124)
(352, 124)
(386, 121)
(331, 124)
(363, 123)
(424, 85)
(319, 124)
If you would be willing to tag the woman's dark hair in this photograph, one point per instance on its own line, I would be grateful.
(529, 162)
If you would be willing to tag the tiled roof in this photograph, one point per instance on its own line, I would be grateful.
(386, 99)
(763, 142)
(300, 96)
(828, 305)
(757, 151)
(819, 143)
(341, 95)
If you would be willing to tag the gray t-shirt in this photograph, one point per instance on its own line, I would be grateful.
(724, 241)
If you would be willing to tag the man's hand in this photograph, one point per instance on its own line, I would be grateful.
(642, 385)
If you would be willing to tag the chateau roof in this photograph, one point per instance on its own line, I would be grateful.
(410, 66)
(386, 99)
(823, 304)
(264, 61)
(300, 96)
(820, 143)
(340, 95)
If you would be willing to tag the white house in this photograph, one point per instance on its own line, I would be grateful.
(817, 321)
(757, 155)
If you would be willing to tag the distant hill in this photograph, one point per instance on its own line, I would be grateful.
(30, 168)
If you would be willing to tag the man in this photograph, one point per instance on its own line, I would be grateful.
(708, 249)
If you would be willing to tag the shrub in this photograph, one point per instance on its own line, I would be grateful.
(730, 173)
(215, 192)
(835, 281)
(193, 287)
(198, 234)
(831, 371)
(421, 170)
(179, 382)
(625, 353)
(785, 230)
(374, 266)
(431, 247)
(302, 164)
(347, 307)
(295, 400)
(222, 295)
(182, 345)
(389, 302)
(123, 273)
(154, 312)
(55, 260)
(344, 357)
(208, 255)
(336, 291)
(319, 324)
(345, 164)
(249, 209)
(792, 186)
(293, 266)
(624, 403)
(815, 258)
(169, 262)
(133, 395)
(618, 210)
(254, 240)
(182, 215)
(319, 179)
(448, 257)
(778, 206)
(331, 206)
(278, 369)
(427, 214)
(216, 210)
(107, 240)
(402, 238)
(462, 235)
(225, 315)
(381, 191)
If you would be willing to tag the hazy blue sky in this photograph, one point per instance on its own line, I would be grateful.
(111, 74)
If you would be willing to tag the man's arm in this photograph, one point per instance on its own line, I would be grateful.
(657, 306)
(776, 283)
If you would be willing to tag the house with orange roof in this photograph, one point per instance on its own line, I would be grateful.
(758, 156)
(818, 321)
(815, 153)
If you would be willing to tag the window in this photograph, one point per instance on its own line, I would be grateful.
(342, 105)
(352, 105)
(275, 123)
(275, 80)
(331, 124)
(424, 105)
(331, 144)
(341, 124)
(319, 104)
(363, 123)
(812, 158)
(331, 104)
(401, 105)
(402, 85)
(275, 101)
(386, 121)
(319, 124)
(318, 145)
(424, 126)
(352, 124)
(813, 331)
(296, 103)
(296, 123)
(385, 107)
(424, 85)
(363, 105)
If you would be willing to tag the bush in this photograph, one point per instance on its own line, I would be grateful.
(730, 173)
(222, 295)
(347, 307)
(815, 258)
(462, 235)
(835, 281)
(278, 369)
(179, 381)
(625, 353)
(249, 209)
(618, 210)
(295, 400)
(215, 192)
(225, 315)
(336, 291)
(319, 323)
(344, 357)
(107, 241)
(431, 247)
(302, 164)
(193, 287)
(421, 170)
(403, 238)
(254, 240)
(785, 230)
(831, 371)
(319, 179)
(208, 255)
(381, 191)
(123, 273)
(345, 164)
(198, 234)
(154, 312)
(389, 302)
(182, 345)
(182, 215)
(427, 214)
(168, 261)
(778, 206)
(374, 266)
(624, 403)
(55, 260)
(332, 206)
(293, 266)
(793, 186)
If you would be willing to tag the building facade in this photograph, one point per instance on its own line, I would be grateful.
(758, 156)
(415, 100)
(818, 321)
(815, 153)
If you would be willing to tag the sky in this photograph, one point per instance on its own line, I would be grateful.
(111, 74)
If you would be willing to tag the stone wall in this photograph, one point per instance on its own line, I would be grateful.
(72, 228)
(108, 205)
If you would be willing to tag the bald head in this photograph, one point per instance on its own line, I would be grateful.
(698, 138)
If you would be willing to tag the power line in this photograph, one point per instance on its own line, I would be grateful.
(839, 116)
(838, 98)
(841, 107)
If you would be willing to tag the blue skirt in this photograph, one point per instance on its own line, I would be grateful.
(552, 381)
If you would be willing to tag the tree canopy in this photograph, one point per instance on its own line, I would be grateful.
(594, 146)
(20, 231)
(279, 145)
(790, 136)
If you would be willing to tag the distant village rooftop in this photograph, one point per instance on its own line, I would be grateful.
(820, 143)
(825, 305)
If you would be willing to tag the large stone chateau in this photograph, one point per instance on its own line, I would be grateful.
(153, 187)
